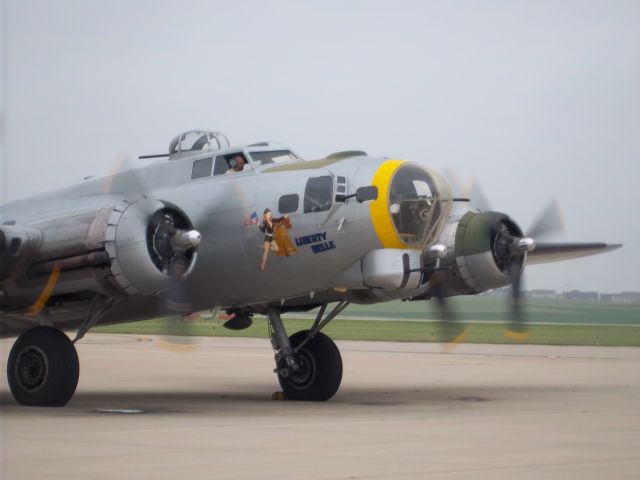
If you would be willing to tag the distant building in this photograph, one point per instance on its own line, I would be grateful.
(542, 293)
(573, 295)
(631, 297)
(624, 297)
(580, 296)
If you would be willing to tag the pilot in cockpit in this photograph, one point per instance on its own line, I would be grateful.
(236, 163)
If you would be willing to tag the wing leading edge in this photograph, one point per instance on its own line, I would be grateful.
(557, 252)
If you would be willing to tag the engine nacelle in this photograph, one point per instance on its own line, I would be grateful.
(135, 248)
(140, 239)
(477, 258)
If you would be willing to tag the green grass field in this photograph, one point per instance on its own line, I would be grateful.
(553, 322)
(491, 309)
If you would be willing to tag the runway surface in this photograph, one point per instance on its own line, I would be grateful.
(403, 411)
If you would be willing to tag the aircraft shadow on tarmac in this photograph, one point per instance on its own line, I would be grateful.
(176, 402)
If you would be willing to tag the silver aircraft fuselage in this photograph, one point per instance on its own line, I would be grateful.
(326, 243)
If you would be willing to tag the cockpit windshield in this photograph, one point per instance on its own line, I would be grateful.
(415, 204)
(273, 156)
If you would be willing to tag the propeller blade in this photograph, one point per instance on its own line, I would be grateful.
(457, 187)
(478, 199)
(174, 243)
(517, 329)
(550, 220)
(181, 331)
(453, 332)
(178, 333)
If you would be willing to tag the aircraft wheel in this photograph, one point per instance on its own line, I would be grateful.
(321, 372)
(43, 368)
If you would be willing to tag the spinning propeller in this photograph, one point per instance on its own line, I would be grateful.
(509, 249)
(172, 245)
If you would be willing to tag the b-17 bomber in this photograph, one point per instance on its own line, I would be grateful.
(246, 230)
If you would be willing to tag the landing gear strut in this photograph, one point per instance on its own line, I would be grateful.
(308, 363)
(43, 368)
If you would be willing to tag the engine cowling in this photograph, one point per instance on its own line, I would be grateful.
(149, 243)
(134, 248)
(478, 255)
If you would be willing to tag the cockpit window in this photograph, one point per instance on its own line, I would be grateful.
(221, 166)
(318, 194)
(412, 204)
(230, 163)
(274, 156)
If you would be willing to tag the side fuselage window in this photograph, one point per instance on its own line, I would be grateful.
(202, 168)
(318, 194)
(288, 203)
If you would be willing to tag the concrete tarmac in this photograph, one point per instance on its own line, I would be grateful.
(404, 411)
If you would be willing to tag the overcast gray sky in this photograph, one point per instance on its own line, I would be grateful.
(533, 99)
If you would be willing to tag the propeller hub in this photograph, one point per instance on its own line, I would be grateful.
(523, 245)
(172, 242)
(186, 239)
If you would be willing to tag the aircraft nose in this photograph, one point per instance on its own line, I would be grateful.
(412, 204)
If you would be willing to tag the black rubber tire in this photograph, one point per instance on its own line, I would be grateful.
(323, 373)
(43, 368)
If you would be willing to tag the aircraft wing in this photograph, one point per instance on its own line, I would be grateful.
(556, 252)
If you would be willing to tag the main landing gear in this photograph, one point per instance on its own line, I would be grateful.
(308, 363)
(43, 368)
